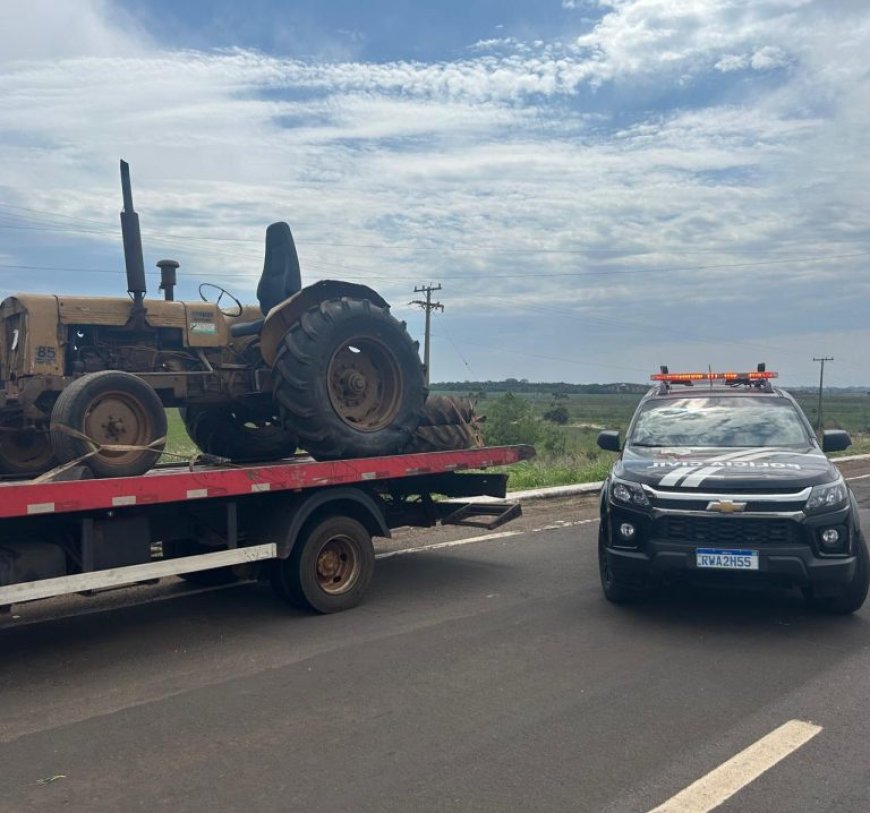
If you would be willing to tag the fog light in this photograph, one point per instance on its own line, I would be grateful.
(830, 537)
(627, 530)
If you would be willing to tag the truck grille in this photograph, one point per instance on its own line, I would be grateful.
(727, 531)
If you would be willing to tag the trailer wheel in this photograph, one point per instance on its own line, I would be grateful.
(330, 567)
(105, 410)
(25, 450)
(350, 380)
(231, 431)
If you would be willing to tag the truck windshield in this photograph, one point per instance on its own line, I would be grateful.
(720, 421)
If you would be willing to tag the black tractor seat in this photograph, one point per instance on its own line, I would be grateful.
(281, 277)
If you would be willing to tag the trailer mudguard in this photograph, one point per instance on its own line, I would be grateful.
(367, 512)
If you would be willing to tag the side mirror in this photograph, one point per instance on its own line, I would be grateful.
(609, 440)
(835, 440)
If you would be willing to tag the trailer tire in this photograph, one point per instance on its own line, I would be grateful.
(225, 430)
(109, 408)
(330, 567)
(350, 381)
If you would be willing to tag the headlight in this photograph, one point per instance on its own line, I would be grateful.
(826, 497)
(628, 493)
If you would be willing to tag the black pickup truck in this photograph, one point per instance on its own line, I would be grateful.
(721, 479)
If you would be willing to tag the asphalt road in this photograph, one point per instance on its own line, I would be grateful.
(485, 676)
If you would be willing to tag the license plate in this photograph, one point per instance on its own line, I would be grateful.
(724, 559)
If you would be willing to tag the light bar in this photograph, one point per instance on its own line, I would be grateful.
(678, 377)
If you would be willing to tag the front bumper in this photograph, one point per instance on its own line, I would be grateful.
(788, 559)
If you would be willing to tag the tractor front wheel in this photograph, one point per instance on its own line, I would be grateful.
(25, 450)
(114, 422)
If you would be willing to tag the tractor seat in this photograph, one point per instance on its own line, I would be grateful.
(280, 279)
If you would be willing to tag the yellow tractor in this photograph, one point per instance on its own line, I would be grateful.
(325, 368)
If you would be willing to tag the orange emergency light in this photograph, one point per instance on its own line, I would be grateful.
(676, 378)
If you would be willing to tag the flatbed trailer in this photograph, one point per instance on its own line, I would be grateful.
(306, 526)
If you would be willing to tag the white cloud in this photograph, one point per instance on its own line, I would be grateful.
(628, 211)
(54, 30)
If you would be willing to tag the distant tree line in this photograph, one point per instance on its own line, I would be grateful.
(526, 386)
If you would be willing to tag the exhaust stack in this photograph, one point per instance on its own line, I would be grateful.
(132, 237)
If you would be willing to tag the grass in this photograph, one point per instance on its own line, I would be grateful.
(561, 470)
(178, 444)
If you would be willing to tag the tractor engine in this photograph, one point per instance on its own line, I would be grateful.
(91, 348)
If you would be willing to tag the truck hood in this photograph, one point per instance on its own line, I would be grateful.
(718, 469)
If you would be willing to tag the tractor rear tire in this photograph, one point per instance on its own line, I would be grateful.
(443, 410)
(227, 430)
(350, 381)
(444, 438)
(448, 423)
(25, 451)
(105, 409)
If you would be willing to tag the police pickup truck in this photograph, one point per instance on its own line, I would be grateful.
(721, 479)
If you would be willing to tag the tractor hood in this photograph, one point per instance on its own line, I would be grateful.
(724, 469)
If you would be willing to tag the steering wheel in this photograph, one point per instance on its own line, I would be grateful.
(221, 293)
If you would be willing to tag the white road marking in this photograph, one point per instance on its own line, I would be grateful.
(453, 544)
(723, 782)
(485, 538)
(858, 477)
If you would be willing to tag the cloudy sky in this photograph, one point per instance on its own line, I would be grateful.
(600, 186)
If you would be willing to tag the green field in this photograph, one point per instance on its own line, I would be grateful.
(568, 454)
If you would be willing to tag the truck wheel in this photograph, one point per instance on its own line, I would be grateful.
(25, 450)
(350, 380)
(854, 593)
(330, 567)
(231, 431)
(109, 409)
(614, 591)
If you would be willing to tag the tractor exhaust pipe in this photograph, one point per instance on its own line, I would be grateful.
(132, 237)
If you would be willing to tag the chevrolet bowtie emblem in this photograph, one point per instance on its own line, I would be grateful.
(726, 506)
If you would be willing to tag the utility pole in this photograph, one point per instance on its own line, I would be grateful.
(821, 381)
(428, 305)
